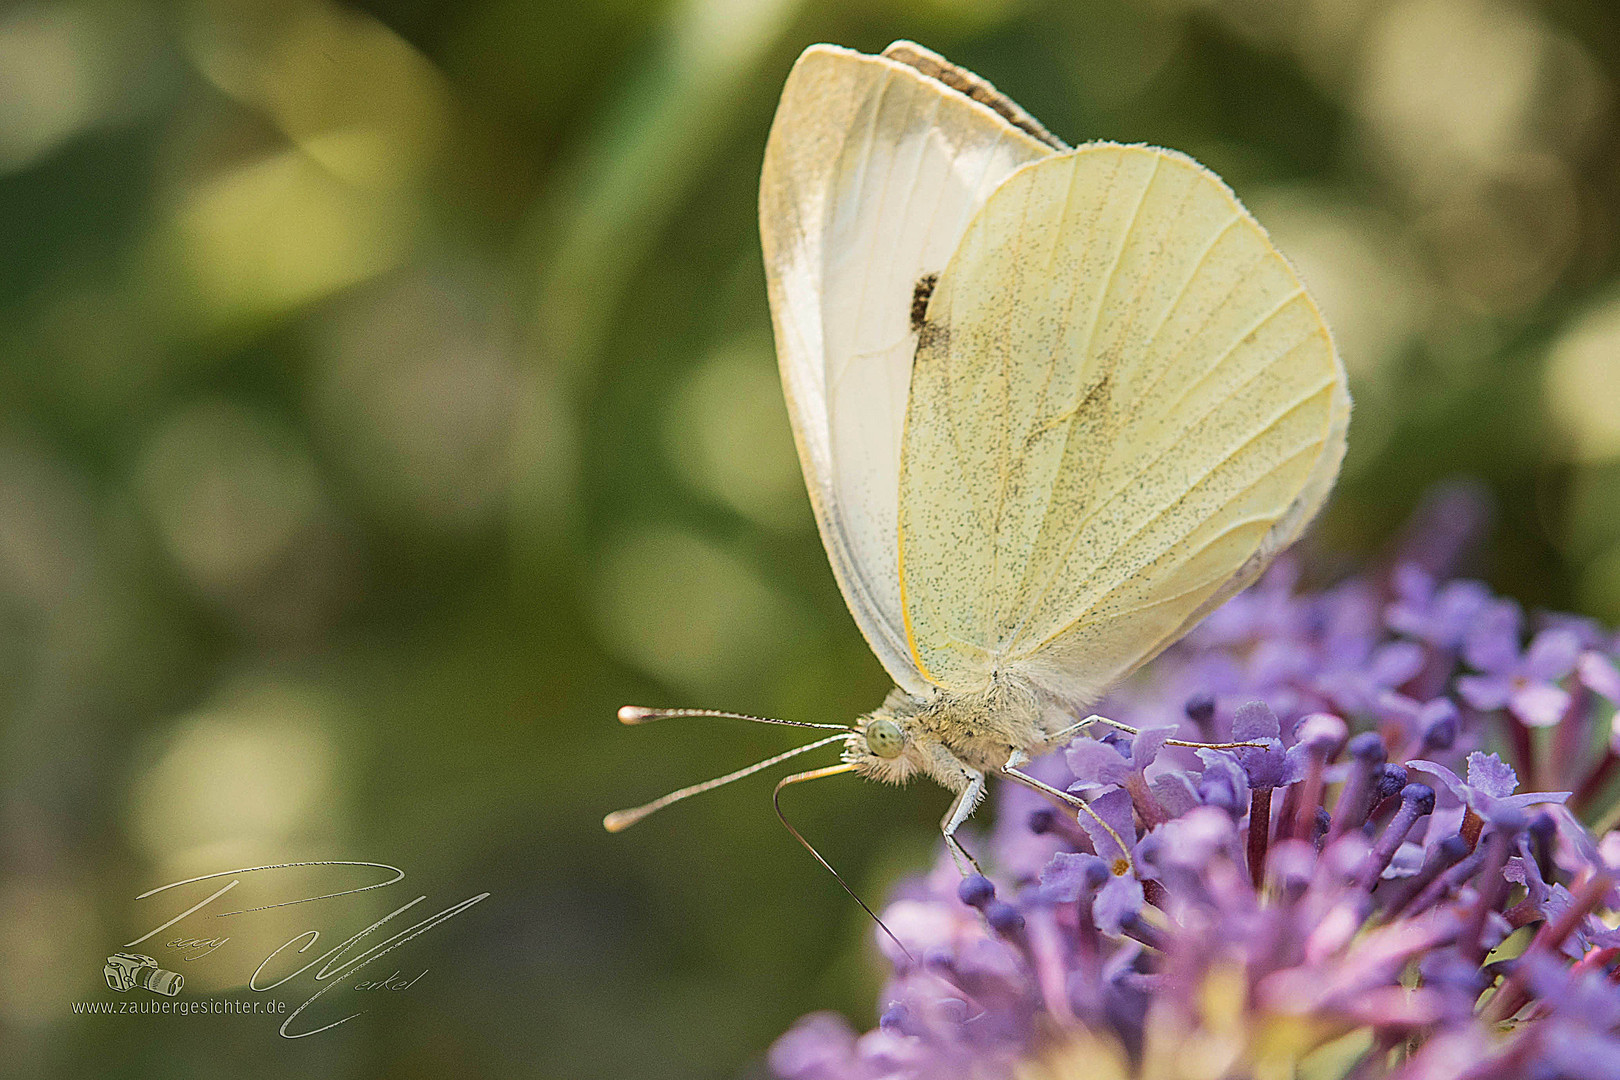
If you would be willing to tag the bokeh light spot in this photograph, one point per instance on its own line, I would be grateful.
(1583, 383)
(727, 434)
(690, 613)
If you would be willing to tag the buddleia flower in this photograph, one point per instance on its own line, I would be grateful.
(1383, 883)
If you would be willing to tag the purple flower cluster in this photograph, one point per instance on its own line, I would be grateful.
(1394, 882)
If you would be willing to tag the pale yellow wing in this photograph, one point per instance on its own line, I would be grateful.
(872, 173)
(1123, 404)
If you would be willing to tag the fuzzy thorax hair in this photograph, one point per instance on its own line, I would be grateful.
(949, 735)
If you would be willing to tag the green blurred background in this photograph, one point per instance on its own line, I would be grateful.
(388, 394)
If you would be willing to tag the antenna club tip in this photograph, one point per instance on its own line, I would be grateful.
(620, 820)
(636, 714)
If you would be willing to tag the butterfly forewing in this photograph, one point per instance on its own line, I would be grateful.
(872, 173)
(1122, 403)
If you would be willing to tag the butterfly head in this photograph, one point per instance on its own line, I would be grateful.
(884, 737)
(885, 746)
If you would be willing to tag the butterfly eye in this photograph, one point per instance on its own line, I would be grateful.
(883, 738)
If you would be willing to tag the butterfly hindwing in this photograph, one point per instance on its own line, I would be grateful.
(1123, 402)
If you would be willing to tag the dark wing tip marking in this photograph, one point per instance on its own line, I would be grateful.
(980, 89)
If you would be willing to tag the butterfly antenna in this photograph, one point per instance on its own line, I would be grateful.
(620, 820)
(641, 714)
(776, 800)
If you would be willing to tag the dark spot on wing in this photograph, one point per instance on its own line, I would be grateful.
(1097, 400)
(919, 299)
(933, 339)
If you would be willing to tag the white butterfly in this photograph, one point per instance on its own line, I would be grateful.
(1053, 405)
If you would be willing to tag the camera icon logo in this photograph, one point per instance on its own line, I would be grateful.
(125, 971)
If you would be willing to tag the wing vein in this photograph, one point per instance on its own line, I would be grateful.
(1074, 286)
(1192, 275)
(1170, 222)
(888, 175)
(833, 374)
(1209, 316)
(1074, 535)
(1127, 482)
(1236, 525)
(1119, 255)
(1254, 328)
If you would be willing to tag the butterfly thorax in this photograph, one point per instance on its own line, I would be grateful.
(948, 736)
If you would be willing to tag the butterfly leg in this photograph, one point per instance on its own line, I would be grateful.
(967, 800)
(1127, 729)
(1072, 728)
(1012, 771)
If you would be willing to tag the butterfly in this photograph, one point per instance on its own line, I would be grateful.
(1053, 405)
